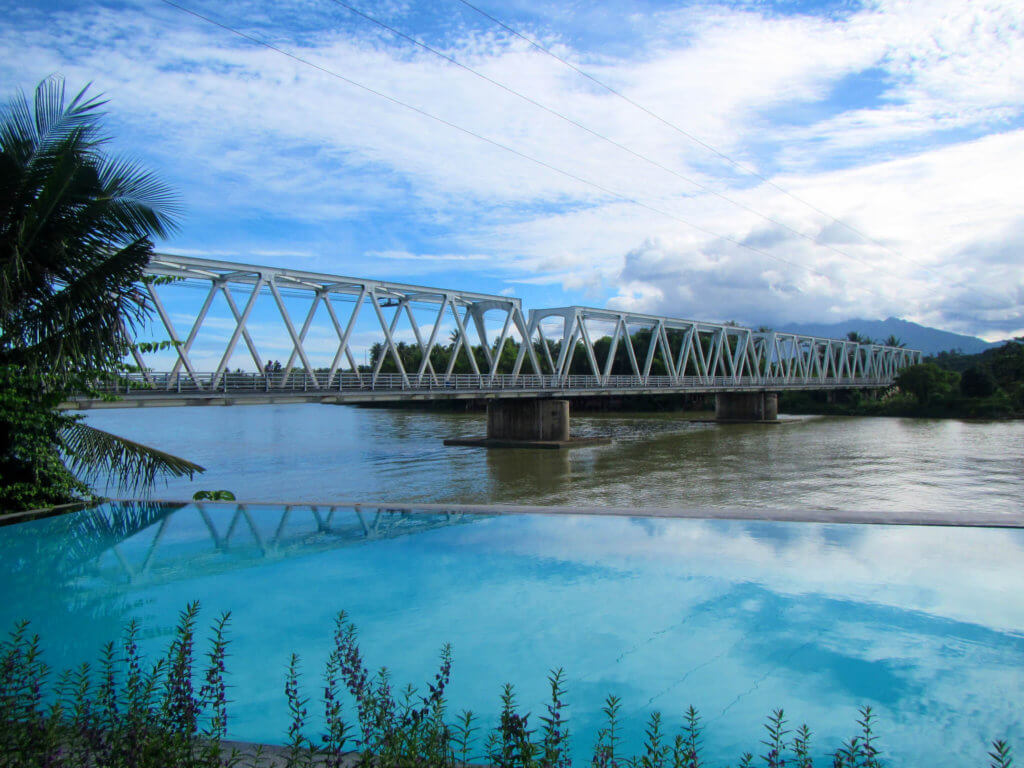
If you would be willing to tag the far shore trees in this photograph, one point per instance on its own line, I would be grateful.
(926, 381)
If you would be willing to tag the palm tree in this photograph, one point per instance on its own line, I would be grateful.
(894, 341)
(76, 229)
(858, 338)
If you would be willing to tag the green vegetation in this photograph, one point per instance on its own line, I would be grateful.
(891, 341)
(221, 495)
(76, 229)
(32, 472)
(988, 385)
(169, 714)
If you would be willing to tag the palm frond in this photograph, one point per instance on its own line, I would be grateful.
(93, 454)
(28, 128)
(139, 202)
(53, 119)
(48, 152)
(79, 325)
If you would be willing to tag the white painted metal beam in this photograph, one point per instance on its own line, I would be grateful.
(700, 352)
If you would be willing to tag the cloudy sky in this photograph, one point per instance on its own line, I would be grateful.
(855, 159)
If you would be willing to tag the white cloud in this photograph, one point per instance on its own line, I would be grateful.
(947, 245)
(928, 166)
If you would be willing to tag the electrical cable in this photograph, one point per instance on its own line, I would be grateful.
(714, 150)
(597, 134)
(505, 147)
(735, 163)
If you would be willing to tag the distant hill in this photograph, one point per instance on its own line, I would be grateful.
(929, 340)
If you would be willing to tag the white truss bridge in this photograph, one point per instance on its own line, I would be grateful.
(570, 351)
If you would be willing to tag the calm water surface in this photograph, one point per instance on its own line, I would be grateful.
(317, 453)
(924, 624)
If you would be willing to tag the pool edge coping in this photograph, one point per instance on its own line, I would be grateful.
(972, 519)
(27, 515)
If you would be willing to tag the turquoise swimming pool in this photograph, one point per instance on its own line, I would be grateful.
(737, 618)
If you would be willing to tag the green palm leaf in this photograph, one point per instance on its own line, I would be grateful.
(93, 454)
(75, 234)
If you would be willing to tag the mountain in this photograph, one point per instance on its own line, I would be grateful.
(929, 340)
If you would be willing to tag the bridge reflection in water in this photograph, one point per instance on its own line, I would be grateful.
(143, 544)
(185, 540)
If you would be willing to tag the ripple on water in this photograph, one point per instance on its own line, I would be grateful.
(316, 452)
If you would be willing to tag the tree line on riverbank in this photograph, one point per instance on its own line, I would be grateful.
(952, 384)
(382, 358)
(411, 355)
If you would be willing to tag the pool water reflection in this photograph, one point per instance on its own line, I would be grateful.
(736, 618)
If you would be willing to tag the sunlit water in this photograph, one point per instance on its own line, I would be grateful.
(923, 624)
(735, 618)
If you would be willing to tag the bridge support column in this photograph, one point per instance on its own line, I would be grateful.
(528, 420)
(747, 406)
(526, 423)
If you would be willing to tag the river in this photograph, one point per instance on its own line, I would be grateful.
(331, 453)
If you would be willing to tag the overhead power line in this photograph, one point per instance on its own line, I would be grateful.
(537, 161)
(733, 162)
(697, 140)
(598, 135)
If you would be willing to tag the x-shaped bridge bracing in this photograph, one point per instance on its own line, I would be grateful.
(702, 352)
(620, 351)
(465, 309)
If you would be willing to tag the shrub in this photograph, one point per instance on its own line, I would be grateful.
(119, 713)
(125, 714)
(926, 381)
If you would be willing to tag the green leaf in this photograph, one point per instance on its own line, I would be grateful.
(92, 454)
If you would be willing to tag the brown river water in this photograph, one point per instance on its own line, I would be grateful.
(333, 453)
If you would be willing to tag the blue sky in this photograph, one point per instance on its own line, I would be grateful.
(902, 118)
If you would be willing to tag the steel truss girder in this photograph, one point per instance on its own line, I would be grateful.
(700, 352)
(462, 306)
(710, 352)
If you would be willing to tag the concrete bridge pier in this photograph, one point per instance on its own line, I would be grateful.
(747, 406)
(526, 423)
(528, 420)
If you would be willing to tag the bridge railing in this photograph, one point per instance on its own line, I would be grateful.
(152, 383)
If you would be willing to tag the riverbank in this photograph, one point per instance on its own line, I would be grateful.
(996, 407)
(824, 403)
